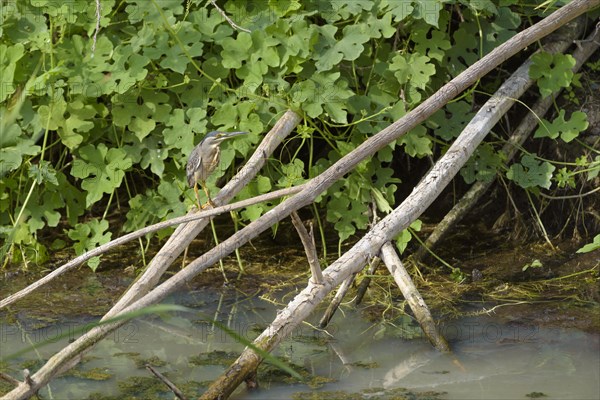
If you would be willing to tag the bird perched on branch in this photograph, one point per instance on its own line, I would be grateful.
(204, 159)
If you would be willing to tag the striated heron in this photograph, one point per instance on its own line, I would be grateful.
(204, 159)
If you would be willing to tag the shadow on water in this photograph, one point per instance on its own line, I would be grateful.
(353, 359)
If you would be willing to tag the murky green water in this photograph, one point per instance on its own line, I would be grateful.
(490, 360)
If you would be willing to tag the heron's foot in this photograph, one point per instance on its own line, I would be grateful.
(209, 203)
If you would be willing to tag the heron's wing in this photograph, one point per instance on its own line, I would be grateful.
(212, 162)
(193, 164)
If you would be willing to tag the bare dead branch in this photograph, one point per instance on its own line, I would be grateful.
(364, 284)
(413, 297)
(308, 241)
(9, 379)
(337, 300)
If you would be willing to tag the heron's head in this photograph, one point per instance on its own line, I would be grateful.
(216, 137)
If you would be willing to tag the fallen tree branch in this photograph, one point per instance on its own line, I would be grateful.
(364, 284)
(337, 300)
(9, 379)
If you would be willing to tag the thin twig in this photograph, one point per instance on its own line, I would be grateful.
(229, 20)
(591, 38)
(98, 17)
(309, 248)
(373, 263)
(337, 300)
(9, 379)
(366, 281)
(567, 197)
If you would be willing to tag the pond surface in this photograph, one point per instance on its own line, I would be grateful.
(491, 360)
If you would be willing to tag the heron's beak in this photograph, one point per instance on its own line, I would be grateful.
(232, 134)
(223, 136)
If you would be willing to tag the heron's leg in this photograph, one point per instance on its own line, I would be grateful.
(197, 196)
(207, 195)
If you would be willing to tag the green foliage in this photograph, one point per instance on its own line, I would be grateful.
(259, 186)
(14, 146)
(406, 235)
(347, 214)
(450, 121)
(89, 125)
(483, 165)
(552, 71)
(595, 245)
(567, 130)
(565, 178)
(89, 236)
(457, 275)
(593, 167)
(531, 173)
(534, 264)
(101, 169)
